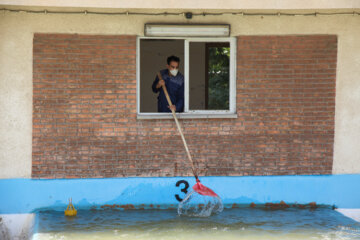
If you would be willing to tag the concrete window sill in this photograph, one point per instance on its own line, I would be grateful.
(185, 115)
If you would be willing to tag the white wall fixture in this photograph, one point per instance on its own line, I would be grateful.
(191, 30)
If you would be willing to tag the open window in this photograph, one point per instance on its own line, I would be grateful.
(208, 66)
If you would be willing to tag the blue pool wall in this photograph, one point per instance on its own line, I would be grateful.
(30, 195)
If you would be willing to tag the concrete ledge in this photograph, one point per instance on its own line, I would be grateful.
(351, 213)
(189, 4)
(184, 115)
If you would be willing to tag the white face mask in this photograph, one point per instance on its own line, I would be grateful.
(174, 72)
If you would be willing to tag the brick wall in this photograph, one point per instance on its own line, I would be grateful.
(84, 112)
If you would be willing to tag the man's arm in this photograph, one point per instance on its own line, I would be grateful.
(157, 84)
(154, 85)
(180, 99)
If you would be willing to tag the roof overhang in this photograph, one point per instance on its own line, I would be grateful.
(191, 4)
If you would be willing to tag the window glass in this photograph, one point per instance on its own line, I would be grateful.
(153, 55)
(209, 77)
(205, 71)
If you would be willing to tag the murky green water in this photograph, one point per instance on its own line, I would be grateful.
(242, 223)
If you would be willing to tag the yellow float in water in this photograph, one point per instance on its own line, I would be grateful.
(70, 210)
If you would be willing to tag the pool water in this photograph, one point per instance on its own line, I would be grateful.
(241, 223)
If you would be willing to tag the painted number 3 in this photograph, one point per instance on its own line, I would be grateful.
(184, 190)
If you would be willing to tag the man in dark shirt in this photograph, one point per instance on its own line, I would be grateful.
(174, 82)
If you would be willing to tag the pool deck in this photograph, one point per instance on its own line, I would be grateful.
(351, 213)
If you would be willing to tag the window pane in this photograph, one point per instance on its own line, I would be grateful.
(153, 56)
(209, 76)
(218, 76)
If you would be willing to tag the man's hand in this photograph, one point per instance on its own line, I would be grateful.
(172, 108)
(160, 83)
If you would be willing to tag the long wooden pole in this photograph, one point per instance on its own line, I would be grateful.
(179, 128)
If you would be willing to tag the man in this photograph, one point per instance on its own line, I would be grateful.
(174, 82)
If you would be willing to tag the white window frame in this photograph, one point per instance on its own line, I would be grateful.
(231, 113)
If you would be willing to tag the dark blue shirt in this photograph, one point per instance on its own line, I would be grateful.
(175, 88)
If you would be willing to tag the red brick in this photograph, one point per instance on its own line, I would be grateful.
(84, 112)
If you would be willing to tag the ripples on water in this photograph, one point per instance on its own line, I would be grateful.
(242, 223)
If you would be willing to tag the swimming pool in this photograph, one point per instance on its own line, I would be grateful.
(26, 199)
(240, 223)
